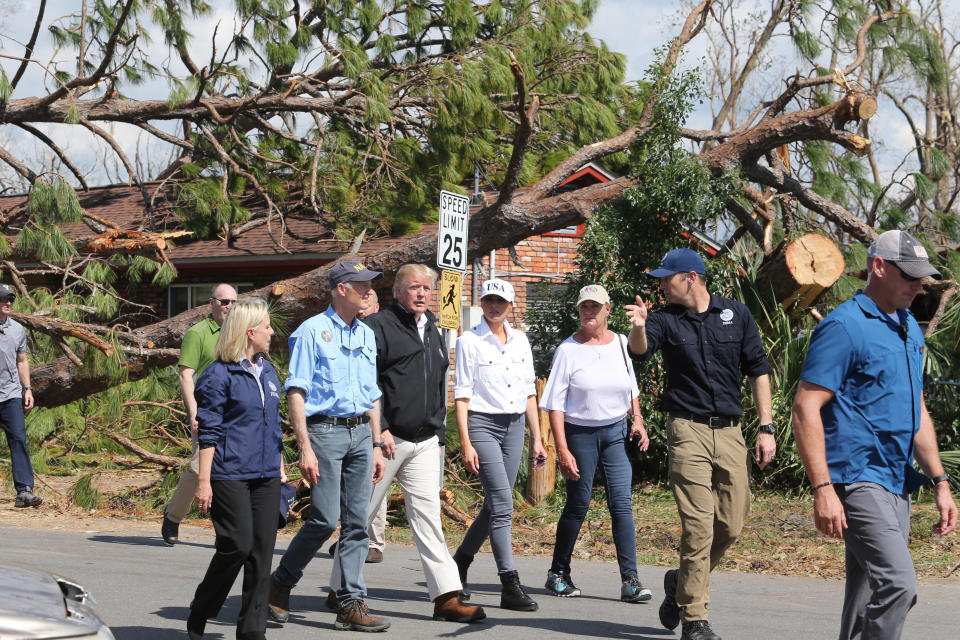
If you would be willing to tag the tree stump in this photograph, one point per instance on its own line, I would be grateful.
(796, 273)
(542, 480)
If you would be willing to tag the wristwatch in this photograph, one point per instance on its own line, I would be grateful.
(767, 428)
(943, 477)
(378, 445)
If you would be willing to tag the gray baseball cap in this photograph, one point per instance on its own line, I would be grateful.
(5, 291)
(903, 250)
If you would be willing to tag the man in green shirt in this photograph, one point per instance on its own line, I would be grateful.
(196, 354)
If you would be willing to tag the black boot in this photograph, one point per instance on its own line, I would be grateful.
(463, 563)
(196, 624)
(513, 596)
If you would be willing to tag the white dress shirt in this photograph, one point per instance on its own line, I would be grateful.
(495, 377)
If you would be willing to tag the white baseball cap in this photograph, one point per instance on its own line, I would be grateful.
(594, 292)
(498, 287)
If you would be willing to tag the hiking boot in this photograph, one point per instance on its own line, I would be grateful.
(669, 611)
(698, 630)
(560, 584)
(331, 602)
(632, 590)
(279, 608)
(512, 596)
(27, 498)
(170, 531)
(463, 563)
(374, 556)
(355, 616)
(449, 607)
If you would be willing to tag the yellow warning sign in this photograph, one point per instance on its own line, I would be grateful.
(450, 284)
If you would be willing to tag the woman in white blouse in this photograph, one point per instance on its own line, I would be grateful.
(590, 390)
(493, 391)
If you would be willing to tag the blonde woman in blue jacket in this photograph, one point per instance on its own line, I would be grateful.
(238, 411)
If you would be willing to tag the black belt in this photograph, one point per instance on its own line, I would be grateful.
(352, 421)
(714, 422)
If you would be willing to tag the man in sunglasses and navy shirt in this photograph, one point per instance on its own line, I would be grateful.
(860, 422)
(16, 397)
(196, 354)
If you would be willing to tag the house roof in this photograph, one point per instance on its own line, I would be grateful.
(306, 236)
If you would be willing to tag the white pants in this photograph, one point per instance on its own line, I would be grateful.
(417, 468)
(377, 531)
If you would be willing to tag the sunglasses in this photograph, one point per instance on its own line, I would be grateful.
(905, 276)
(7, 299)
(224, 302)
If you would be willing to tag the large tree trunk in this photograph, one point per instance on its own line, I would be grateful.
(796, 273)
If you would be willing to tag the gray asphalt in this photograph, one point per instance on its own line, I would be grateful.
(143, 589)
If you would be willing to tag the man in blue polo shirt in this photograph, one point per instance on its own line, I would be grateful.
(860, 420)
(334, 407)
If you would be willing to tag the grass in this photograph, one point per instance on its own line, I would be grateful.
(778, 538)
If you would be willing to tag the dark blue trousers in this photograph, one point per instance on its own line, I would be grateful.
(604, 447)
(11, 417)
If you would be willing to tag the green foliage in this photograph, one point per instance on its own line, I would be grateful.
(84, 494)
(673, 196)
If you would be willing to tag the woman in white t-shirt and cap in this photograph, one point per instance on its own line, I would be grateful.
(589, 393)
(493, 391)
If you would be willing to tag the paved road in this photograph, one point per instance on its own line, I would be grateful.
(144, 587)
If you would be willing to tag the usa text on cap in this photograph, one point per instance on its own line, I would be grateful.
(498, 287)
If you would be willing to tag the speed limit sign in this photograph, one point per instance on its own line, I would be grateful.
(452, 239)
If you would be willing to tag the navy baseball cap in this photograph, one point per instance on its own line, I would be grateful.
(288, 495)
(679, 261)
(351, 271)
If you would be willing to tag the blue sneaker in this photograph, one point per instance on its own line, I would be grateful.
(560, 584)
(632, 590)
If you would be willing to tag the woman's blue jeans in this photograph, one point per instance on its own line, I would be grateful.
(593, 447)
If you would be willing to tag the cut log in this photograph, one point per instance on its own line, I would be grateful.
(796, 273)
(542, 480)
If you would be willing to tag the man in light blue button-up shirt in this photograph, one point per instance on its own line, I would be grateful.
(334, 407)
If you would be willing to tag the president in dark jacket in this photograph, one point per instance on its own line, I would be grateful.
(412, 365)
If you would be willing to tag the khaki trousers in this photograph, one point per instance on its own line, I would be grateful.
(182, 498)
(709, 475)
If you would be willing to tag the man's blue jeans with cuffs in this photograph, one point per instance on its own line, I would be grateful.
(11, 417)
(344, 484)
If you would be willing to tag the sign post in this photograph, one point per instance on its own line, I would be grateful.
(452, 259)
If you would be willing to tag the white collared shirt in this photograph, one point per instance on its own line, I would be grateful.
(497, 378)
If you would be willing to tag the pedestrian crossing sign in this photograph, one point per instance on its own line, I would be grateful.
(450, 284)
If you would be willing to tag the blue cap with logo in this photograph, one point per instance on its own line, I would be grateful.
(351, 271)
(679, 261)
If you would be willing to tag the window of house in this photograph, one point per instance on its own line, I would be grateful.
(181, 297)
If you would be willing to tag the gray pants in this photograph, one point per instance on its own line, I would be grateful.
(881, 581)
(498, 439)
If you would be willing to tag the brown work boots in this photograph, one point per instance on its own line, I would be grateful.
(451, 608)
(355, 616)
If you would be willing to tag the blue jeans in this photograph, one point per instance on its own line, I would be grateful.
(344, 483)
(593, 446)
(11, 417)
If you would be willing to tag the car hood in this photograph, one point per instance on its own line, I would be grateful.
(36, 604)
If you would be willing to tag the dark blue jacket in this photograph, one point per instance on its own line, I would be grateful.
(245, 431)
